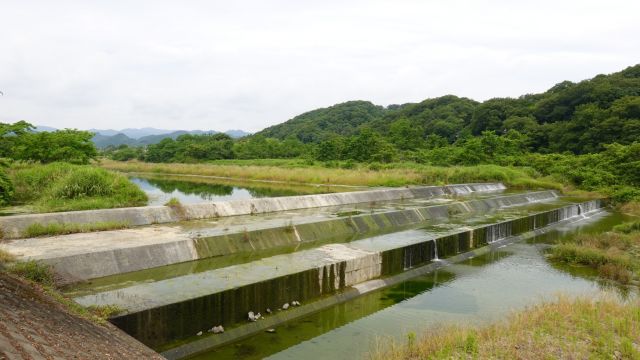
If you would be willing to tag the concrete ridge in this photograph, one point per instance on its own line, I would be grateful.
(13, 227)
(86, 256)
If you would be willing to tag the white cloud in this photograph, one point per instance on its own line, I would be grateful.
(251, 64)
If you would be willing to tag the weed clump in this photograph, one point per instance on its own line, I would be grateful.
(34, 271)
(173, 203)
(611, 253)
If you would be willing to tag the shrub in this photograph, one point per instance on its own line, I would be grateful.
(65, 187)
(34, 271)
(6, 187)
(627, 227)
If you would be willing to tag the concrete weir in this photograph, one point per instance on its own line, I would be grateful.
(171, 309)
(87, 256)
(15, 226)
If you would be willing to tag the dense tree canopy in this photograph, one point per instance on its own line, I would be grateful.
(18, 141)
(577, 117)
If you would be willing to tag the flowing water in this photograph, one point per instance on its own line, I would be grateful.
(476, 291)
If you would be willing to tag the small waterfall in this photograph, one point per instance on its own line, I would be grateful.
(435, 250)
(498, 231)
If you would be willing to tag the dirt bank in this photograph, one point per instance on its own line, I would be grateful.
(33, 326)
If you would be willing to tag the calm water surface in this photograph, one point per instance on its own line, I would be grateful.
(197, 190)
(477, 291)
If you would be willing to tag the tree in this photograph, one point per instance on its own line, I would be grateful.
(73, 146)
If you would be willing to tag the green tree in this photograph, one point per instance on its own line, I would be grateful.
(73, 146)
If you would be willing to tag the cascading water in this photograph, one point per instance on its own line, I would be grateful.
(435, 250)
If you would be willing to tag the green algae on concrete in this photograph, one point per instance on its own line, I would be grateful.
(325, 269)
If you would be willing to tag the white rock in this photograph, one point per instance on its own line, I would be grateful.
(199, 333)
(217, 329)
(285, 306)
(252, 316)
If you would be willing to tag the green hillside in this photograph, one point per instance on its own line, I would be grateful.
(577, 117)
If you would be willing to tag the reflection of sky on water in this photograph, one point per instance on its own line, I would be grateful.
(160, 191)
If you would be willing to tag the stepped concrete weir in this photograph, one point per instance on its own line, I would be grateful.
(15, 226)
(174, 308)
(86, 256)
(217, 262)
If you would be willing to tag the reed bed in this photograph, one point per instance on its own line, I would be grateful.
(582, 328)
(358, 175)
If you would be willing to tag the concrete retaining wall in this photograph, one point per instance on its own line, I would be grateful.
(14, 226)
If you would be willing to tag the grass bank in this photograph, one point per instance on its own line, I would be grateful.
(572, 329)
(345, 173)
(66, 187)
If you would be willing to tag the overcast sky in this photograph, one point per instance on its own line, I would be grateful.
(250, 64)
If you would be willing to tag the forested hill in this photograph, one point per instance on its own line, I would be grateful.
(577, 117)
(317, 125)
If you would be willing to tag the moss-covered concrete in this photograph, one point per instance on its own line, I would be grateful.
(175, 308)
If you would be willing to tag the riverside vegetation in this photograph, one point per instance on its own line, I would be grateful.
(51, 172)
(566, 328)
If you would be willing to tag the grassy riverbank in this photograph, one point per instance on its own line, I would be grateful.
(569, 329)
(346, 173)
(66, 187)
(615, 254)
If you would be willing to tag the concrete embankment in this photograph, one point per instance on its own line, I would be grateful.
(175, 308)
(86, 256)
(15, 226)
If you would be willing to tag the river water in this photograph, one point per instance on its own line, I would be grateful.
(477, 291)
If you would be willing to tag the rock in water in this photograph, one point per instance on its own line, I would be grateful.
(199, 333)
(271, 331)
(285, 306)
(268, 311)
(252, 316)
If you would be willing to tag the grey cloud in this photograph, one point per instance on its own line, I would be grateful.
(251, 64)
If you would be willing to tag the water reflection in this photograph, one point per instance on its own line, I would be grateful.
(190, 190)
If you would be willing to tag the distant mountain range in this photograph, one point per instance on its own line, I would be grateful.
(143, 136)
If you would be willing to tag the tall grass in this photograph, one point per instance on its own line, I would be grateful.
(296, 171)
(568, 329)
(5, 258)
(64, 187)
